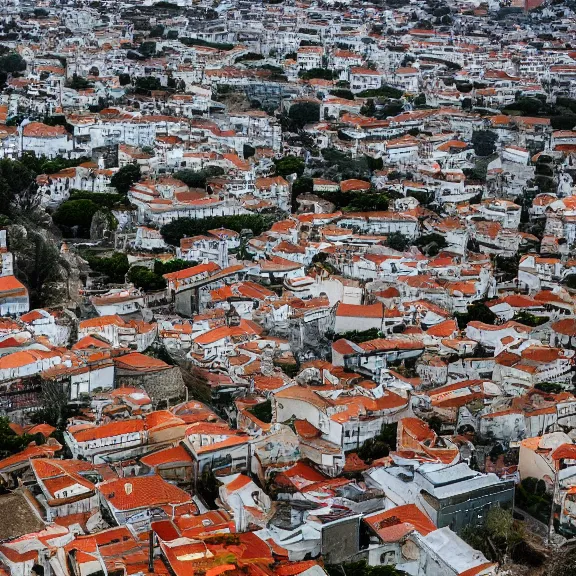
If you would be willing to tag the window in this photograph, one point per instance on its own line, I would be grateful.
(388, 558)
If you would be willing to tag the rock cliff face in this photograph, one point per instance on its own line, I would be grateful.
(41, 266)
(308, 339)
(103, 225)
(75, 267)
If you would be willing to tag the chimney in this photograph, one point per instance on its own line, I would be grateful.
(128, 488)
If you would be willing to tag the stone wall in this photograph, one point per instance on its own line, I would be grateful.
(160, 385)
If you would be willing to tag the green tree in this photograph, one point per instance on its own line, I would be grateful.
(302, 185)
(125, 177)
(477, 312)
(420, 100)
(322, 73)
(104, 200)
(431, 244)
(124, 79)
(18, 191)
(368, 109)
(10, 442)
(361, 568)
(145, 84)
(174, 265)
(398, 241)
(382, 92)
(342, 93)
(570, 281)
(379, 446)
(248, 151)
(498, 537)
(146, 279)
(148, 48)
(38, 263)
(524, 317)
(115, 266)
(562, 562)
(178, 229)
(11, 63)
(208, 485)
(262, 411)
(75, 213)
(156, 31)
(302, 113)
(198, 178)
(549, 387)
(359, 336)
(484, 142)
(507, 265)
(290, 165)
(78, 83)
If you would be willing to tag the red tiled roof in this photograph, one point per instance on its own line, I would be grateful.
(142, 491)
(172, 455)
(392, 525)
(108, 430)
(11, 285)
(566, 327)
(360, 310)
(353, 184)
(141, 362)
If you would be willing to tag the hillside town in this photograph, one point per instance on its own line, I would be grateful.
(288, 288)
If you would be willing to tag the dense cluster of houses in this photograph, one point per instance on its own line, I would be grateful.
(368, 376)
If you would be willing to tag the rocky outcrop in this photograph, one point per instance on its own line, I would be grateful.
(103, 225)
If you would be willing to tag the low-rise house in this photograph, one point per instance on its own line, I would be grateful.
(118, 332)
(364, 79)
(88, 441)
(43, 323)
(173, 464)
(350, 317)
(14, 297)
(414, 435)
(92, 374)
(453, 496)
(371, 357)
(532, 414)
(522, 369)
(204, 249)
(498, 336)
(183, 278)
(66, 487)
(393, 532)
(118, 301)
(217, 447)
(309, 57)
(28, 363)
(19, 462)
(249, 505)
(563, 333)
(159, 379)
(44, 140)
(149, 239)
(138, 500)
